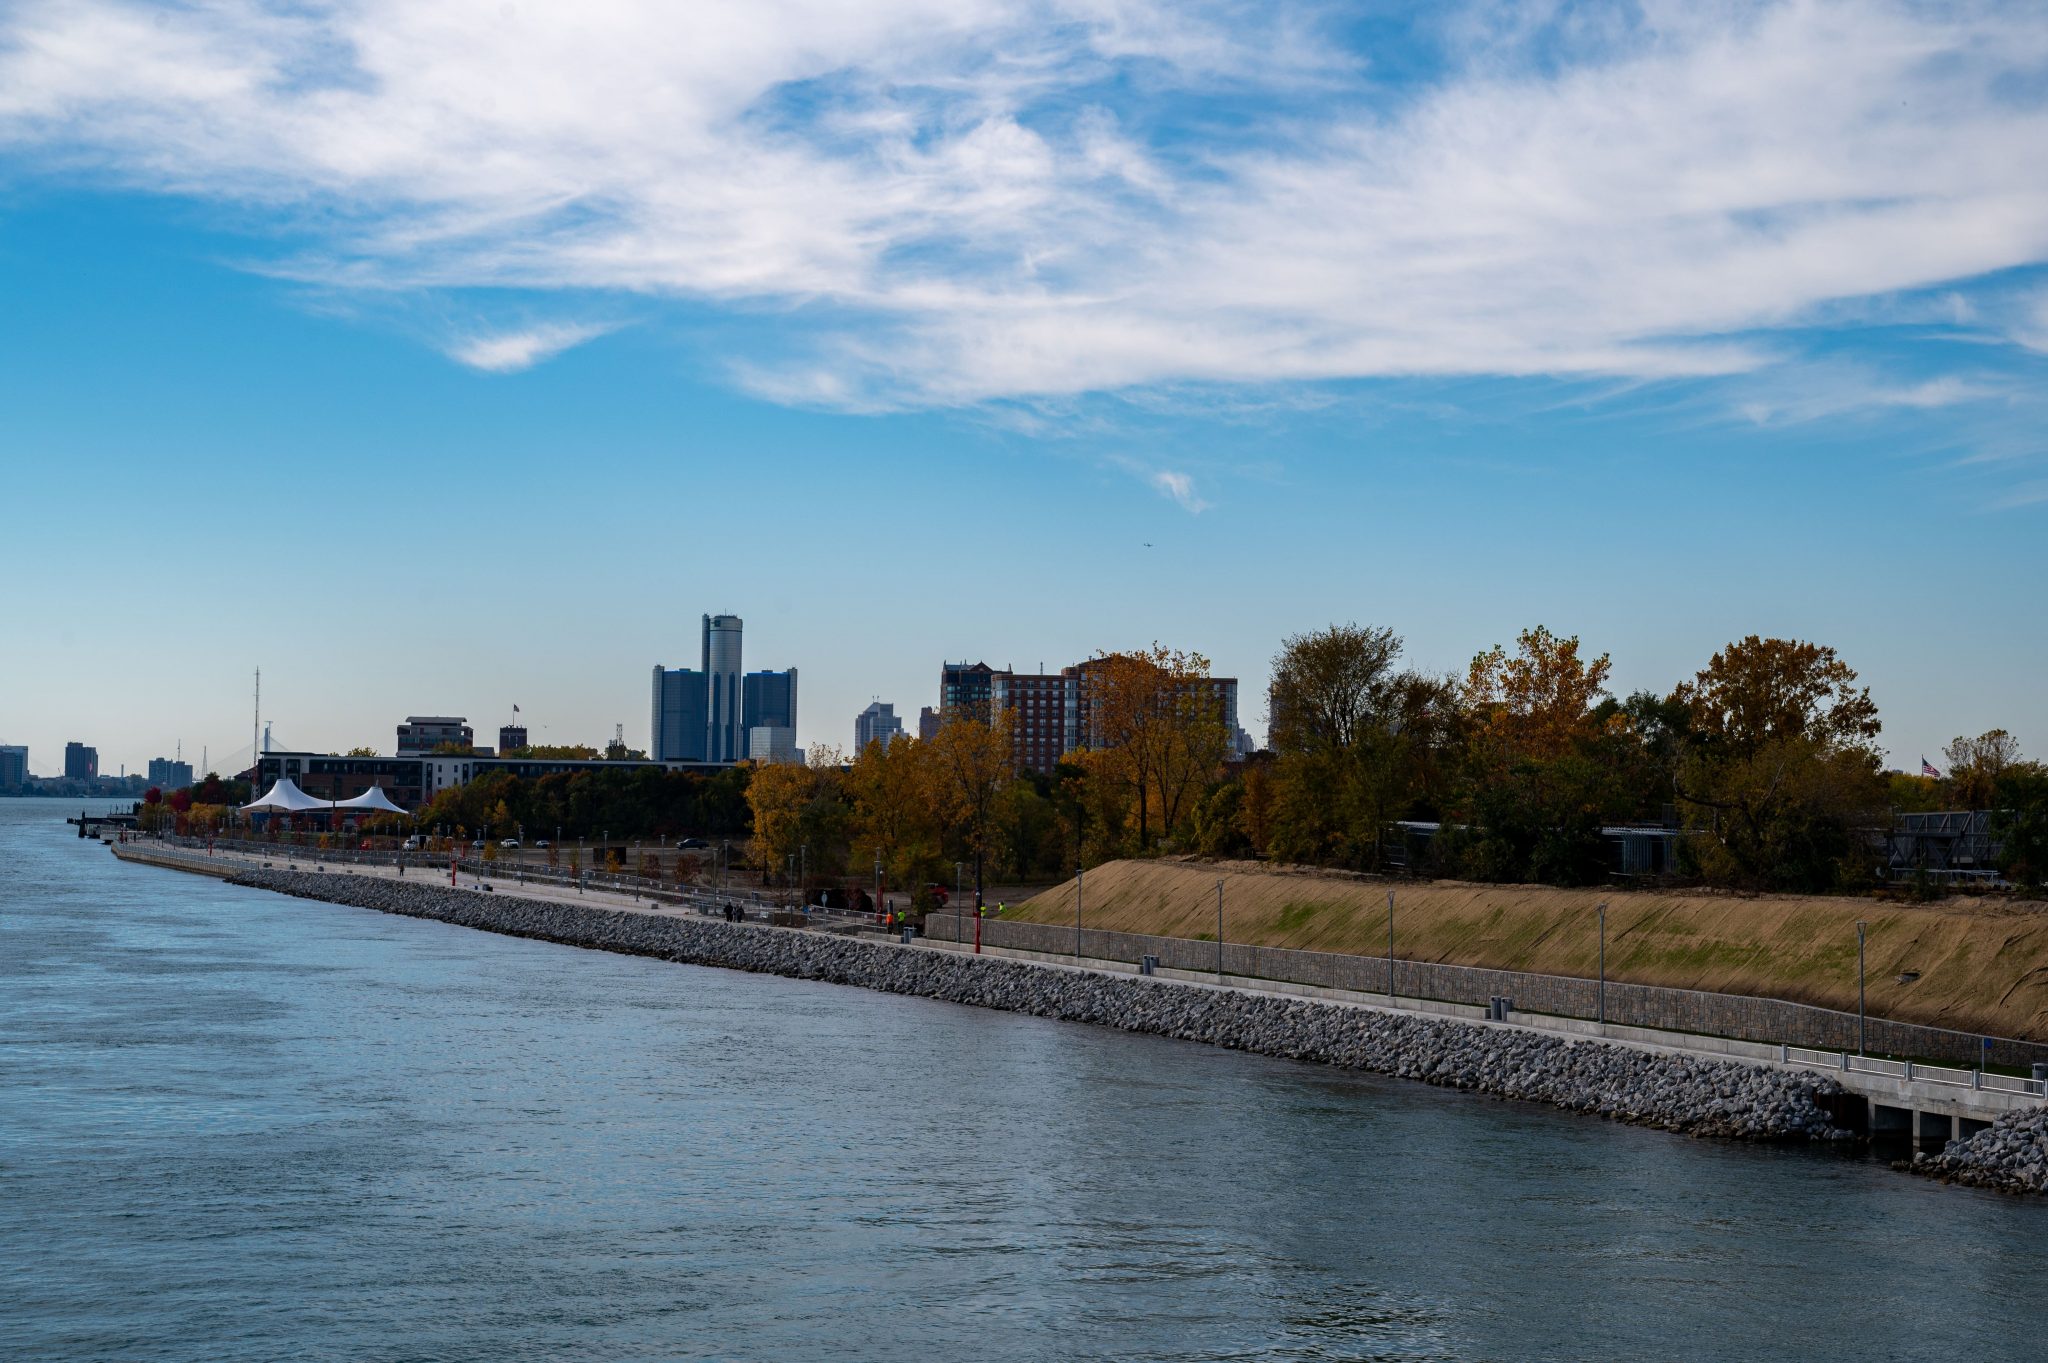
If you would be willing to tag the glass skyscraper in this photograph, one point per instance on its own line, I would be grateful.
(708, 715)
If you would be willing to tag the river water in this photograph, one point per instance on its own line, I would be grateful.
(239, 1126)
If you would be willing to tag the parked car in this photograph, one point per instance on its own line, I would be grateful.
(510, 842)
(411, 845)
(688, 843)
(542, 843)
(478, 844)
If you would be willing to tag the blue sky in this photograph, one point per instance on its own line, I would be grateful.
(442, 356)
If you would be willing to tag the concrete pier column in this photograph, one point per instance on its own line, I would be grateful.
(1933, 1130)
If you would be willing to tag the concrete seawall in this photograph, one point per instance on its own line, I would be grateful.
(1686, 1094)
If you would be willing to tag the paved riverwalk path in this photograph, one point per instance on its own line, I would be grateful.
(1926, 1103)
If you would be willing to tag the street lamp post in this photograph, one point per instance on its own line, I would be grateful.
(1390, 946)
(1860, 926)
(1219, 931)
(1602, 995)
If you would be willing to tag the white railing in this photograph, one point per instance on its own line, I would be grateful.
(1911, 1071)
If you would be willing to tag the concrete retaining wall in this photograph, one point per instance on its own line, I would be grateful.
(1677, 1010)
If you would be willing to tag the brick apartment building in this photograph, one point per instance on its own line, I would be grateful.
(1050, 712)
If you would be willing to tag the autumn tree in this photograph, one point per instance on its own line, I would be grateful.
(1255, 807)
(1537, 779)
(1758, 692)
(970, 765)
(1976, 765)
(894, 814)
(1782, 765)
(1159, 724)
(1536, 703)
(799, 810)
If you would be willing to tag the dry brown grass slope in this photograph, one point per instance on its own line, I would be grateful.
(1982, 964)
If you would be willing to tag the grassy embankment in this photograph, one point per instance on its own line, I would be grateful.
(1982, 964)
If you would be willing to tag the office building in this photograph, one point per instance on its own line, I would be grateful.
(928, 722)
(511, 737)
(711, 714)
(412, 781)
(424, 733)
(681, 727)
(168, 774)
(876, 724)
(725, 709)
(81, 762)
(772, 743)
(13, 767)
(769, 700)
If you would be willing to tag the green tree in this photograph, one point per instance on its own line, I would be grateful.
(1782, 770)
(2021, 823)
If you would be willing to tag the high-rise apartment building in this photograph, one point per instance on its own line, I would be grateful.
(876, 724)
(1041, 707)
(964, 689)
(710, 715)
(13, 767)
(81, 762)
(1051, 713)
(169, 774)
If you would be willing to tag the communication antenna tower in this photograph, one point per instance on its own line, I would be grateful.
(256, 733)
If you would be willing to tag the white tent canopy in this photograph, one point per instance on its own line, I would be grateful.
(372, 799)
(285, 797)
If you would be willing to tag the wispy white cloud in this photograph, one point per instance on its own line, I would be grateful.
(2030, 324)
(1181, 488)
(1634, 191)
(508, 352)
(1813, 392)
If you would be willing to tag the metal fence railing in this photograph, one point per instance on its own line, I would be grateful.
(1740, 1016)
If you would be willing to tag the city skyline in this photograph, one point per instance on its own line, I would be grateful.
(1207, 331)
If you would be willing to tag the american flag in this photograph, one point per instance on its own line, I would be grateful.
(1927, 768)
(515, 710)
